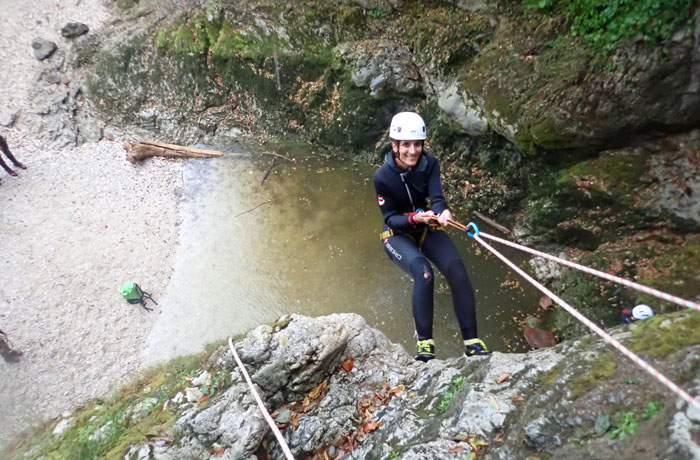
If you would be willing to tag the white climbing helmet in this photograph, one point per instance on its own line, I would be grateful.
(642, 311)
(407, 126)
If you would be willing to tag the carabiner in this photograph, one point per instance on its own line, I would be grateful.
(476, 229)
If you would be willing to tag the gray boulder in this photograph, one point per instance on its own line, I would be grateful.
(74, 30)
(43, 49)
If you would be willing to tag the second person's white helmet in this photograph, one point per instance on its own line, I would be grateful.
(642, 311)
(407, 126)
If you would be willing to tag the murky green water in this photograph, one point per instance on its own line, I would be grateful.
(307, 242)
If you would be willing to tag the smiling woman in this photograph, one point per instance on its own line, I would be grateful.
(406, 185)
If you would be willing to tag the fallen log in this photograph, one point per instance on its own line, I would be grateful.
(492, 223)
(146, 149)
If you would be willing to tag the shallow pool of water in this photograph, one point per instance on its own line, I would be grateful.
(306, 241)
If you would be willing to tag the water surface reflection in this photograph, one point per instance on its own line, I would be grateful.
(307, 242)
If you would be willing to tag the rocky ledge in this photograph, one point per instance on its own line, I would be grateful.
(339, 389)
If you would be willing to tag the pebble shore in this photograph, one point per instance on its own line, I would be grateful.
(74, 226)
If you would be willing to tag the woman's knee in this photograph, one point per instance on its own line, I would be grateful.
(421, 271)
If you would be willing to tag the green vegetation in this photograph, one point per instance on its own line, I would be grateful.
(454, 386)
(626, 422)
(378, 13)
(604, 24)
(134, 414)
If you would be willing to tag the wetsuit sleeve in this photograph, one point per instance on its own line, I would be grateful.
(437, 200)
(387, 205)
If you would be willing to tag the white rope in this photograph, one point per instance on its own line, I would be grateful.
(268, 418)
(607, 276)
(609, 339)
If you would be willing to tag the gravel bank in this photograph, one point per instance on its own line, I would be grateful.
(74, 225)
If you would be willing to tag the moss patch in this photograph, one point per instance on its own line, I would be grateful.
(662, 335)
(615, 174)
(601, 368)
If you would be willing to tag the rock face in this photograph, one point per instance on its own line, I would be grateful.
(340, 388)
(484, 65)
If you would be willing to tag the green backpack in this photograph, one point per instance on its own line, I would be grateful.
(133, 293)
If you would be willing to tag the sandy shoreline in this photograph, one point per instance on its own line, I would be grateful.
(75, 225)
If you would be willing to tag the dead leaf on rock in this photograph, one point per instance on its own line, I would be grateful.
(456, 449)
(517, 398)
(370, 426)
(503, 377)
(217, 451)
(348, 363)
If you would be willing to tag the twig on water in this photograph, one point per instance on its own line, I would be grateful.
(293, 160)
(253, 208)
(268, 171)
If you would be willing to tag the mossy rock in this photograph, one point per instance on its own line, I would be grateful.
(662, 335)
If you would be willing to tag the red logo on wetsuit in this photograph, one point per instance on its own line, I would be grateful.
(380, 200)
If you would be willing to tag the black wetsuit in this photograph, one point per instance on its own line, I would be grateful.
(400, 194)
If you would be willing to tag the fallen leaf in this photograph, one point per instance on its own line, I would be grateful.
(456, 449)
(517, 398)
(539, 338)
(494, 403)
(503, 377)
(348, 363)
(202, 398)
(499, 437)
(545, 302)
(370, 426)
(217, 451)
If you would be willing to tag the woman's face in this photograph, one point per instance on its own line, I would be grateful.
(407, 152)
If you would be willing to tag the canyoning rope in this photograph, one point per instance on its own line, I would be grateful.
(476, 234)
(607, 276)
(266, 414)
(616, 279)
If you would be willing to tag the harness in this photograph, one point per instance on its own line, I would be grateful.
(421, 239)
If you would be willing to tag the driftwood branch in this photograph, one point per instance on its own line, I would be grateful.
(268, 171)
(146, 149)
(492, 223)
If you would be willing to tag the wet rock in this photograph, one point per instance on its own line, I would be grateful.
(43, 49)
(74, 30)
